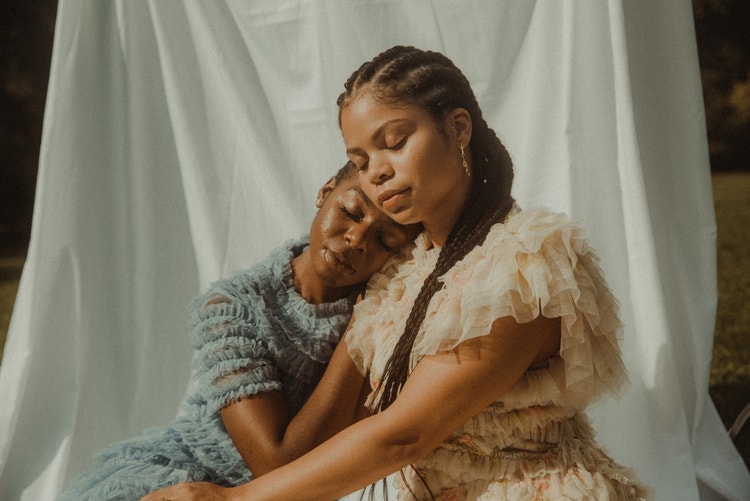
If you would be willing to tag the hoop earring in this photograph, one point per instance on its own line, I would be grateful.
(463, 161)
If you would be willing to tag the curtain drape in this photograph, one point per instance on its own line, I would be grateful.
(184, 139)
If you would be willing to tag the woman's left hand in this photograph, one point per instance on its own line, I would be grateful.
(190, 491)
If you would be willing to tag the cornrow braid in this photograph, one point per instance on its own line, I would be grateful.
(410, 76)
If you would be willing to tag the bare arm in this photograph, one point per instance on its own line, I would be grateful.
(444, 391)
(260, 425)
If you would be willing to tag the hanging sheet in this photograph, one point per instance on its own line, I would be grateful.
(183, 140)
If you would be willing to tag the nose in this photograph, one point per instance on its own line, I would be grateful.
(356, 237)
(379, 170)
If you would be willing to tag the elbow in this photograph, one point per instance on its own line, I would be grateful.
(265, 460)
(412, 452)
(409, 442)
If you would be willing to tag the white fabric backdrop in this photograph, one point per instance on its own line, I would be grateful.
(183, 140)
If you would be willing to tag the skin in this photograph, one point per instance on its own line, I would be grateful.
(410, 165)
(350, 239)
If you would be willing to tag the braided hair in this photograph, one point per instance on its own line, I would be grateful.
(410, 76)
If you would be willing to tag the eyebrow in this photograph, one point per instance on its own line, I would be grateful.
(378, 132)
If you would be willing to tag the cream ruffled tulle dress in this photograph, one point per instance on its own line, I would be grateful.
(535, 443)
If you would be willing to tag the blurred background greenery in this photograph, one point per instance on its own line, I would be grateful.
(723, 35)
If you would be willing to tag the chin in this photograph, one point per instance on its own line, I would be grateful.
(402, 218)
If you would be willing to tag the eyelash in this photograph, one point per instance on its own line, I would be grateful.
(350, 214)
(398, 145)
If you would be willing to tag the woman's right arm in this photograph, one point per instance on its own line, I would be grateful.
(261, 429)
(444, 391)
(238, 377)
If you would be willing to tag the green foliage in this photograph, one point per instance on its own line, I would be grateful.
(8, 289)
(26, 32)
(723, 38)
(730, 367)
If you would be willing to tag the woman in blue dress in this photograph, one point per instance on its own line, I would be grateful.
(262, 340)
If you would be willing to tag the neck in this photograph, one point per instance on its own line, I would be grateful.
(440, 226)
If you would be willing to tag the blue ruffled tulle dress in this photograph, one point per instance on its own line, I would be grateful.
(251, 333)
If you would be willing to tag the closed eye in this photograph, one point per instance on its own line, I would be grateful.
(351, 214)
(398, 145)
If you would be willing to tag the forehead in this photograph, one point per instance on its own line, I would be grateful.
(365, 113)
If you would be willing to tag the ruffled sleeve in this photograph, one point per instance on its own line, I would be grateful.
(232, 357)
(254, 333)
(537, 262)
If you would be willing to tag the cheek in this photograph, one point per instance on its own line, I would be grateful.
(324, 226)
(438, 153)
(365, 184)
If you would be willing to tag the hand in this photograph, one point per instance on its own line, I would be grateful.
(190, 491)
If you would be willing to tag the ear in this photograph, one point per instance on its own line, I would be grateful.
(324, 191)
(459, 123)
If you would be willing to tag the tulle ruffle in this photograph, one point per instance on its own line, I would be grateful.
(573, 467)
(184, 452)
(538, 262)
(254, 333)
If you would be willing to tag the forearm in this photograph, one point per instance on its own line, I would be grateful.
(266, 439)
(358, 456)
(261, 429)
(256, 427)
(355, 458)
(334, 405)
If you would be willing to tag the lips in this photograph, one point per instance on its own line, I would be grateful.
(338, 261)
(389, 198)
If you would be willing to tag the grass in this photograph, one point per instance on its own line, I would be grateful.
(11, 264)
(730, 367)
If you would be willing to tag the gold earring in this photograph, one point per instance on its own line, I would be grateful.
(463, 161)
